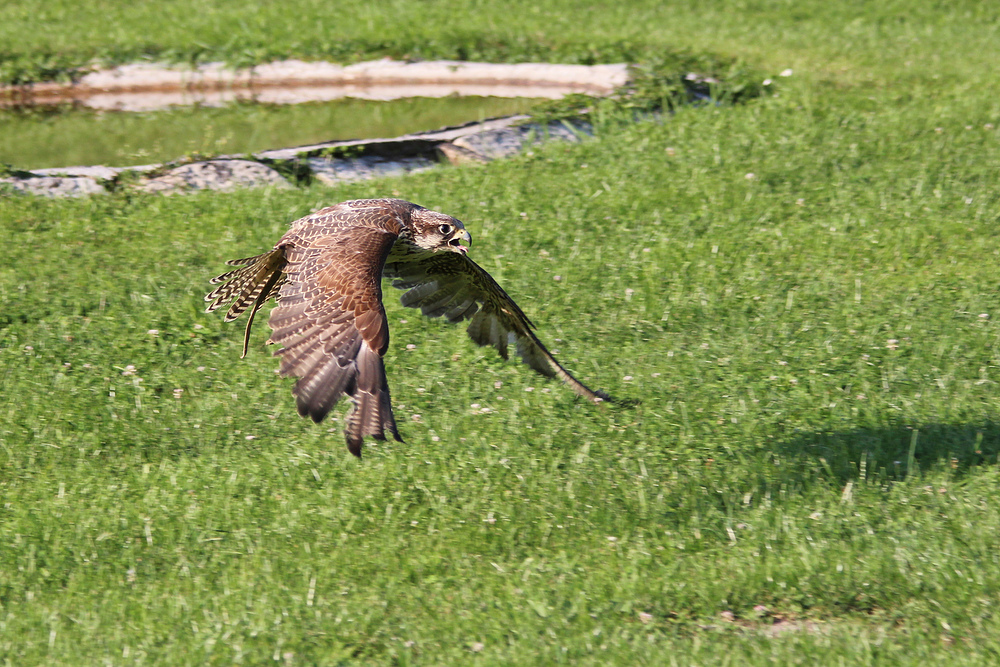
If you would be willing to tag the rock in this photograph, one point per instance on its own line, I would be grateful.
(508, 141)
(99, 172)
(332, 171)
(215, 175)
(56, 186)
(458, 155)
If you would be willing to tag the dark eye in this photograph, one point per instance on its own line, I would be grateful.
(445, 229)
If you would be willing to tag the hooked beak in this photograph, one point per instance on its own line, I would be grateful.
(462, 236)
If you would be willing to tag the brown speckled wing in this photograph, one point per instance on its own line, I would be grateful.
(450, 284)
(329, 320)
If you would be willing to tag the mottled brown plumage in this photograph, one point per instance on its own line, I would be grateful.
(326, 273)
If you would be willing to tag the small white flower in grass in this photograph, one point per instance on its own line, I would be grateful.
(200, 369)
(557, 278)
(87, 366)
(199, 326)
(939, 130)
(29, 348)
(67, 364)
(645, 617)
(477, 647)
(129, 370)
(153, 332)
(627, 378)
(655, 375)
(529, 389)
(704, 346)
(860, 397)
(490, 518)
(773, 377)
(786, 72)
(251, 437)
(474, 406)
(415, 418)
(414, 523)
(435, 438)
(794, 381)
(178, 392)
(967, 200)
(409, 643)
(403, 321)
(523, 214)
(420, 390)
(767, 82)
(628, 293)
(866, 357)
(497, 384)
(984, 316)
(782, 363)
(545, 390)
(411, 346)
(750, 176)
(612, 538)
(800, 202)
(647, 250)
(892, 344)
(728, 615)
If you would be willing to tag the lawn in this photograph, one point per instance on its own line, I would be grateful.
(801, 290)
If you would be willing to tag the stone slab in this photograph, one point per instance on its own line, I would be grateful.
(334, 171)
(215, 175)
(56, 186)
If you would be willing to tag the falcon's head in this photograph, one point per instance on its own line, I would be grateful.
(436, 231)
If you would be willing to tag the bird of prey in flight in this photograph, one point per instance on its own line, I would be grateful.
(326, 274)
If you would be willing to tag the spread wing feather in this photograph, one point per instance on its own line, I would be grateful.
(450, 285)
(332, 329)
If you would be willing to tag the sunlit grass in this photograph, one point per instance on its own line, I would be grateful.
(801, 290)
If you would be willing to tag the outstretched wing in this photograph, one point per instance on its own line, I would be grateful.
(331, 325)
(450, 284)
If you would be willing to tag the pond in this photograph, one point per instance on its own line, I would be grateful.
(62, 136)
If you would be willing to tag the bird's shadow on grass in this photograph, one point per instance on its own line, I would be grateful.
(893, 451)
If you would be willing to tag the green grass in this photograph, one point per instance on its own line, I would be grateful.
(791, 336)
(37, 139)
(44, 39)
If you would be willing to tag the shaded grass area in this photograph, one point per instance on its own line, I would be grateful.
(793, 289)
(35, 139)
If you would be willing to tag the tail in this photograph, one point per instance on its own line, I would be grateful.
(257, 281)
(372, 413)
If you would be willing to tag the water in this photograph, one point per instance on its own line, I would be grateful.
(63, 136)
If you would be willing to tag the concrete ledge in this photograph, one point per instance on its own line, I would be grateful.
(143, 87)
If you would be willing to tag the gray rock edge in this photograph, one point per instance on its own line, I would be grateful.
(329, 163)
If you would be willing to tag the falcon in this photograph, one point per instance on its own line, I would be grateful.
(326, 274)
